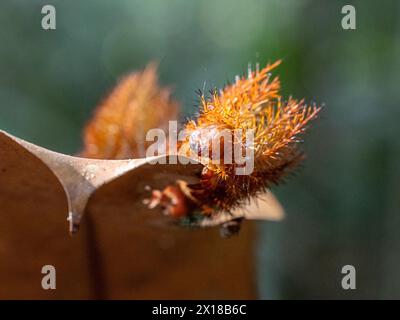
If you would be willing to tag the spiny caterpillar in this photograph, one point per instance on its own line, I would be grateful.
(251, 104)
(119, 125)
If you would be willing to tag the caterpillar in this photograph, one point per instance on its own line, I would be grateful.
(252, 102)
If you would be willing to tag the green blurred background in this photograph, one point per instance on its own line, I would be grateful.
(342, 207)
